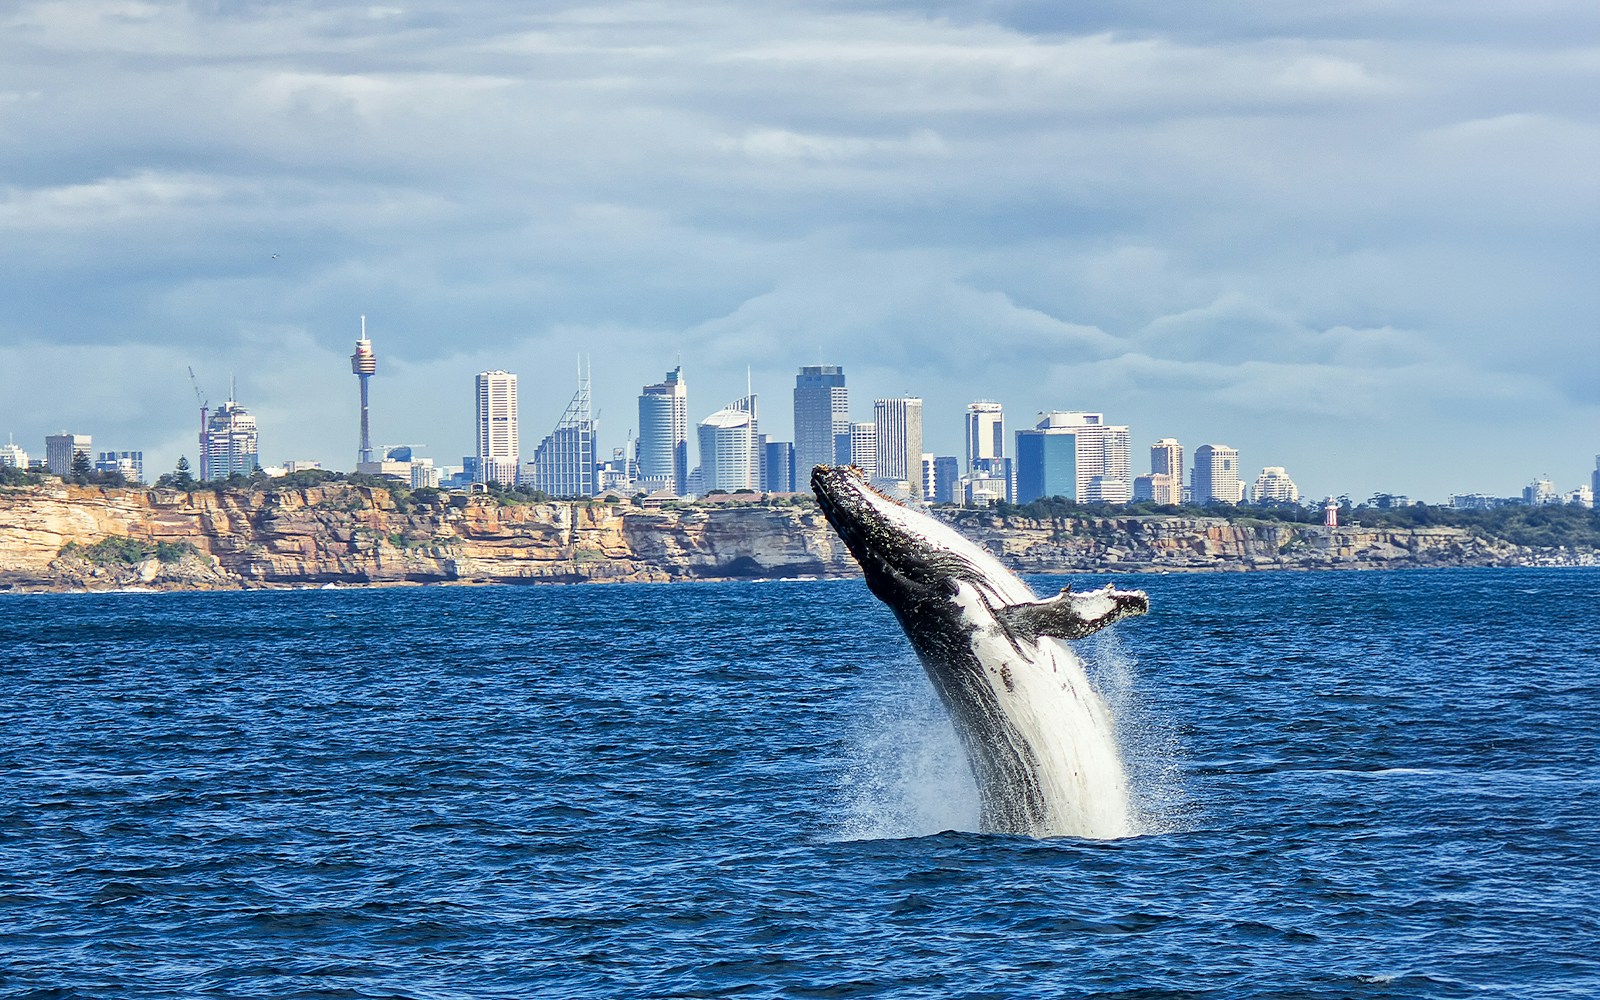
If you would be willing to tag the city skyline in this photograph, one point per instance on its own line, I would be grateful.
(568, 462)
(1287, 231)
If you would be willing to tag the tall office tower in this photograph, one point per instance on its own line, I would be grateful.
(363, 364)
(1047, 462)
(1166, 458)
(863, 449)
(821, 411)
(986, 436)
(498, 446)
(664, 435)
(899, 423)
(565, 463)
(60, 449)
(1075, 455)
(730, 448)
(230, 443)
(946, 477)
(1275, 486)
(1216, 475)
(778, 467)
(1594, 480)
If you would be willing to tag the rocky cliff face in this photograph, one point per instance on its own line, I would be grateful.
(349, 534)
(53, 537)
(1176, 543)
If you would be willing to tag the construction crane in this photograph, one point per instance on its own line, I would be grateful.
(205, 410)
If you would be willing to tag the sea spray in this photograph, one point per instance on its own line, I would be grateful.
(905, 774)
(1150, 748)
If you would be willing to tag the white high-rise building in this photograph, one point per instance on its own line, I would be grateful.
(864, 448)
(664, 435)
(1166, 459)
(1540, 491)
(1275, 486)
(730, 448)
(899, 428)
(1216, 475)
(821, 415)
(498, 445)
(986, 435)
(230, 444)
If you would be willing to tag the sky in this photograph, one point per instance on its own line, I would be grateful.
(1357, 239)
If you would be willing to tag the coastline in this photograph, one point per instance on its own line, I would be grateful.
(61, 538)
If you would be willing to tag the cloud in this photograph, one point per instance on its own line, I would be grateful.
(1234, 220)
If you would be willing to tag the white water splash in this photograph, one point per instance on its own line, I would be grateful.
(906, 774)
(1151, 752)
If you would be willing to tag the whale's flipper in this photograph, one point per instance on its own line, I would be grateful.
(1071, 616)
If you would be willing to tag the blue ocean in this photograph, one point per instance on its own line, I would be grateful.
(1379, 784)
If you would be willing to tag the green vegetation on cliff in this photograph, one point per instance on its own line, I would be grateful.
(1536, 526)
(116, 550)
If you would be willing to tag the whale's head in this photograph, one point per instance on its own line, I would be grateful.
(905, 556)
(925, 570)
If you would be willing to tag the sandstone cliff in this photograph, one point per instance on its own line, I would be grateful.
(55, 537)
(339, 533)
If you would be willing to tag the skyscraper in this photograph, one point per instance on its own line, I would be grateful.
(986, 436)
(1166, 458)
(864, 448)
(1216, 475)
(363, 363)
(730, 448)
(564, 464)
(1047, 463)
(498, 446)
(230, 443)
(899, 422)
(664, 434)
(778, 466)
(821, 411)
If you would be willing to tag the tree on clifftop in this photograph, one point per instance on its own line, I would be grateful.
(81, 469)
(179, 479)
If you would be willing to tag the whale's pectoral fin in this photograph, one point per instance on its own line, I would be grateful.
(1072, 616)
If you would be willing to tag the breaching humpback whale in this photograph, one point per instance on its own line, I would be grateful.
(1037, 736)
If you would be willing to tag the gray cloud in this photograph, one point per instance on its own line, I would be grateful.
(1291, 229)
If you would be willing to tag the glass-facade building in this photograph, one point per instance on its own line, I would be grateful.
(664, 434)
(821, 414)
(1047, 464)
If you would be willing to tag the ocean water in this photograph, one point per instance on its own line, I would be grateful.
(1350, 785)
